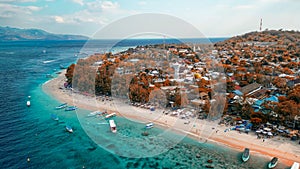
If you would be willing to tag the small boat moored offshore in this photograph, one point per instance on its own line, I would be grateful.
(54, 117)
(69, 129)
(110, 115)
(71, 108)
(113, 126)
(273, 162)
(28, 103)
(62, 67)
(295, 165)
(61, 106)
(246, 155)
(94, 113)
(49, 76)
(149, 126)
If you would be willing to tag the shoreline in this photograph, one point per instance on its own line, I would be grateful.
(287, 151)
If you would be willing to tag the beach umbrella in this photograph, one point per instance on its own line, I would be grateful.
(267, 129)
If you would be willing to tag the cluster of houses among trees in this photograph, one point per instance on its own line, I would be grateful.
(254, 76)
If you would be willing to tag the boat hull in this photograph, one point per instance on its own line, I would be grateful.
(69, 129)
(149, 126)
(246, 155)
(273, 163)
(110, 115)
(113, 126)
(54, 117)
(62, 106)
(70, 108)
(295, 165)
(245, 159)
(28, 103)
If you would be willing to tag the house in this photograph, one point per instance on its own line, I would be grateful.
(293, 83)
(120, 70)
(252, 89)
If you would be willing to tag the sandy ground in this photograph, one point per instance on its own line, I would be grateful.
(201, 130)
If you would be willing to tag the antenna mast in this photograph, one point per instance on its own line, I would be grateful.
(260, 25)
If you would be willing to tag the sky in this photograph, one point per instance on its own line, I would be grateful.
(214, 18)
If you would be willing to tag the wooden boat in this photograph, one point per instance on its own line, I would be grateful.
(64, 105)
(273, 162)
(295, 165)
(246, 155)
(69, 129)
(71, 108)
(110, 115)
(149, 126)
(113, 126)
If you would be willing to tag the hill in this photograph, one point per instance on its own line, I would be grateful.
(278, 36)
(16, 34)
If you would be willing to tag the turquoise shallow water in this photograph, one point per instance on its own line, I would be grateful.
(31, 133)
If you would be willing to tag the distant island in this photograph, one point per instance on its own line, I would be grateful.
(17, 34)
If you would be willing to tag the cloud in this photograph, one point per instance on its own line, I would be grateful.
(80, 2)
(34, 8)
(109, 5)
(102, 5)
(9, 10)
(59, 19)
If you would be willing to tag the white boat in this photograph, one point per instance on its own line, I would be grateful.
(113, 126)
(110, 115)
(295, 165)
(69, 129)
(64, 105)
(149, 126)
(28, 103)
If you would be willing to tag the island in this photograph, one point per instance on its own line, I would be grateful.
(248, 85)
(17, 34)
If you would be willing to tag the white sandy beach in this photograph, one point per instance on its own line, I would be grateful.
(202, 130)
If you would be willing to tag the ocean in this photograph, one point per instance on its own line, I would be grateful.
(29, 138)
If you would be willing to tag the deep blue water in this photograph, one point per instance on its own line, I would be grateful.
(31, 133)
